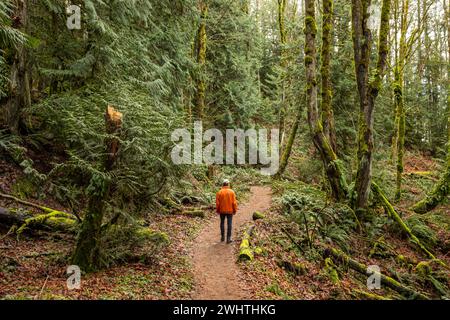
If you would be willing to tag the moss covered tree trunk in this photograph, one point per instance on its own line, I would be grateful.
(19, 90)
(283, 40)
(401, 122)
(368, 90)
(289, 144)
(320, 140)
(326, 107)
(87, 252)
(200, 49)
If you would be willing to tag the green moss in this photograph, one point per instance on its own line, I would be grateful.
(258, 251)
(330, 269)
(258, 215)
(154, 236)
(195, 213)
(24, 188)
(246, 254)
(54, 218)
(310, 22)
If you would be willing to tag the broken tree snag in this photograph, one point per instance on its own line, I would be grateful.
(341, 258)
(394, 215)
(86, 254)
(113, 119)
(245, 251)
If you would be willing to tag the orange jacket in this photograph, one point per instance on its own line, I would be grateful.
(226, 201)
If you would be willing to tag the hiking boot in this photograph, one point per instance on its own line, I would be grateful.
(229, 241)
(222, 239)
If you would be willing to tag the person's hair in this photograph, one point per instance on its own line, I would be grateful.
(226, 184)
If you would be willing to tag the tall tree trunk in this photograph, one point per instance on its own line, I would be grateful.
(19, 93)
(399, 72)
(289, 144)
(368, 91)
(283, 40)
(326, 107)
(200, 47)
(329, 159)
(87, 251)
(401, 116)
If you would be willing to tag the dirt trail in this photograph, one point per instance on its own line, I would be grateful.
(216, 274)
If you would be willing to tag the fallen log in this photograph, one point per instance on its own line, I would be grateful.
(368, 295)
(394, 215)
(53, 221)
(342, 258)
(295, 268)
(194, 213)
(437, 195)
(34, 205)
(245, 250)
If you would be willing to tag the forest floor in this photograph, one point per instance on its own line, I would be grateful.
(196, 265)
(217, 276)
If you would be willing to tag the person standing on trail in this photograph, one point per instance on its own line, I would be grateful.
(226, 207)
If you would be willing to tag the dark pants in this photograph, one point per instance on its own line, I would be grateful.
(229, 225)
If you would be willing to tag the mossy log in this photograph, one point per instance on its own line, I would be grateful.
(34, 205)
(437, 195)
(342, 258)
(258, 215)
(368, 295)
(394, 215)
(194, 213)
(245, 250)
(52, 221)
(295, 268)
